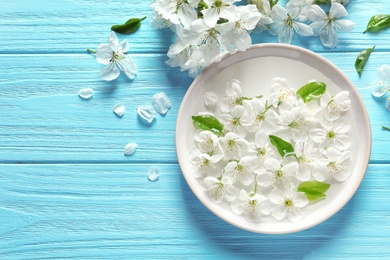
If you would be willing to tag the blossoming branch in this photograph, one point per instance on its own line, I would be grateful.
(208, 29)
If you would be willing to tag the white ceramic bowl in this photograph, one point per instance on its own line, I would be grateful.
(255, 68)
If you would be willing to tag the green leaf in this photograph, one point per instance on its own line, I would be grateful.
(130, 26)
(314, 190)
(378, 23)
(386, 128)
(312, 90)
(284, 147)
(207, 122)
(321, 2)
(362, 59)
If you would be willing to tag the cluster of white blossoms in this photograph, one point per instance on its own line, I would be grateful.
(255, 154)
(381, 87)
(208, 29)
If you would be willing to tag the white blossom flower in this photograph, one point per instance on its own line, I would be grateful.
(207, 141)
(233, 96)
(187, 56)
(158, 22)
(382, 86)
(176, 11)
(262, 147)
(259, 116)
(242, 170)
(332, 134)
(206, 165)
(276, 173)
(219, 9)
(248, 19)
(282, 95)
(232, 146)
(306, 6)
(285, 23)
(327, 25)
(252, 207)
(232, 122)
(288, 203)
(294, 123)
(335, 166)
(220, 189)
(210, 40)
(264, 7)
(113, 56)
(336, 105)
(306, 156)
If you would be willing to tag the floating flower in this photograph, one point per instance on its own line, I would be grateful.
(294, 123)
(113, 56)
(288, 203)
(252, 207)
(285, 23)
(335, 166)
(242, 170)
(206, 165)
(327, 25)
(259, 116)
(232, 146)
(221, 188)
(232, 122)
(335, 106)
(332, 134)
(207, 141)
(276, 173)
(262, 147)
(233, 96)
(306, 156)
(281, 94)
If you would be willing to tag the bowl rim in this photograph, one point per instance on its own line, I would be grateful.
(216, 68)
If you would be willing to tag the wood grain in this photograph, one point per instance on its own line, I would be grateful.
(68, 192)
(109, 211)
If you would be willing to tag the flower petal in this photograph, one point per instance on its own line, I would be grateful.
(337, 10)
(329, 37)
(109, 72)
(128, 67)
(345, 25)
(104, 54)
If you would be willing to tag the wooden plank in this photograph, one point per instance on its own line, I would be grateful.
(43, 119)
(72, 26)
(112, 211)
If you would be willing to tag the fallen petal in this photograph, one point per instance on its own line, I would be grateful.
(119, 110)
(161, 103)
(146, 112)
(210, 100)
(86, 93)
(153, 173)
(130, 149)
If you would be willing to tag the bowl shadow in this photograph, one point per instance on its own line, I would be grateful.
(247, 245)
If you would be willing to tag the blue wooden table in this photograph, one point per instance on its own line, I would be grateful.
(68, 191)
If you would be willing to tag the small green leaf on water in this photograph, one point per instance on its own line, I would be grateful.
(378, 23)
(284, 147)
(208, 122)
(362, 59)
(312, 90)
(314, 190)
(130, 26)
